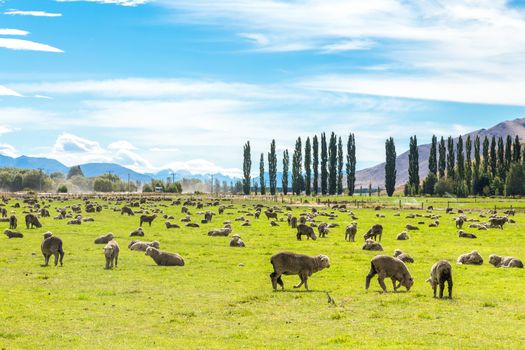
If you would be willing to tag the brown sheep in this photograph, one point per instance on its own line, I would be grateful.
(296, 264)
(306, 230)
(127, 210)
(111, 251)
(270, 214)
(386, 266)
(498, 221)
(403, 236)
(52, 245)
(351, 231)
(192, 224)
(403, 256)
(411, 227)
(439, 273)
(236, 241)
(323, 229)
(75, 222)
(373, 232)
(171, 225)
(463, 234)
(13, 234)
(32, 221)
(293, 222)
(459, 222)
(147, 218)
(13, 222)
(372, 245)
(163, 258)
(137, 233)
(142, 246)
(505, 261)
(104, 239)
(225, 231)
(472, 258)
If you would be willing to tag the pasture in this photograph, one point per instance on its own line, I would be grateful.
(222, 298)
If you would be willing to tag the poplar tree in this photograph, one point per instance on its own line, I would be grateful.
(450, 158)
(432, 159)
(332, 165)
(442, 165)
(247, 168)
(516, 157)
(262, 183)
(272, 168)
(486, 155)
(286, 164)
(413, 165)
(315, 184)
(350, 164)
(468, 163)
(296, 167)
(460, 158)
(501, 159)
(324, 161)
(390, 167)
(340, 166)
(308, 167)
(493, 158)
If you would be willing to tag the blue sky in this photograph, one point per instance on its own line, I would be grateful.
(183, 84)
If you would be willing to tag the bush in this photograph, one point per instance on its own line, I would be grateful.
(62, 189)
(429, 184)
(147, 188)
(514, 185)
(444, 186)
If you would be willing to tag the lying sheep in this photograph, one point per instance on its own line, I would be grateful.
(472, 258)
(463, 234)
(305, 230)
(51, 245)
(139, 246)
(351, 231)
(236, 241)
(440, 273)
(192, 224)
(372, 245)
(225, 231)
(388, 267)
(75, 222)
(411, 227)
(505, 261)
(273, 223)
(434, 224)
(171, 225)
(403, 236)
(111, 251)
(163, 258)
(104, 239)
(403, 256)
(137, 233)
(13, 234)
(373, 232)
(296, 264)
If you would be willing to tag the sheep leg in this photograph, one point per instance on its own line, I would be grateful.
(380, 237)
(371, 274)
(306, 283)
(107, 263)
(449, 282)
(302, 282)
(381, 279)
(394, 284)
(56, 258)
(46, 259)
(434, 287)
(116, 260)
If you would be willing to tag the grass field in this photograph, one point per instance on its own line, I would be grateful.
(222, 298)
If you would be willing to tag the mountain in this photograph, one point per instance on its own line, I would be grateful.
(376, 174)
(96, 169)
(47, 165)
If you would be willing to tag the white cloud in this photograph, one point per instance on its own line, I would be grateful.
(7, 31)
(19, 44)
(5, 130)
(31, 13)
(8, 92)
(75, 144)
(349, 45)
(201, 166)
(115, 2)
(8, 150)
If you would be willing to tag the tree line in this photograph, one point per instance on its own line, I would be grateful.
(316, 168)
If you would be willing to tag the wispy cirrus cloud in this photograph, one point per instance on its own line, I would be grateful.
(7, 31)
(27, 45)
(14, 12)
(114, 2)
(4, 91)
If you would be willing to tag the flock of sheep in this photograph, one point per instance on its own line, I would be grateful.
(284, 263)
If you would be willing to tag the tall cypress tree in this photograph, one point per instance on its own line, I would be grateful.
(315, 184)
(324, 161)
(486, 155)
(468, 163)
(450, 158)
(340, 166)
(262, 183)
(286, 165)
(272, 168)
(308, 167)
(516, 150)
(247, 168)
(508, 154)
(332, 165)
(501, 159)
(296, 167)
(493, 158)
(442, 165)
(477, 156)
(350, 164)
(432, 159)
(413, 165)
(390, 166)
(460, 159)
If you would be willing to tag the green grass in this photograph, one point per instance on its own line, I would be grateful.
(222, 298)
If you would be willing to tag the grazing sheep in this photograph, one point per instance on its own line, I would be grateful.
(472, 258)
(386, 266)
(127, 210)
(411, 227)
(306, 230)
(293, 222)
(163, 258)
(13, 222)
(376, 230)
(111, 251)
(351, 231)
(296, 264)
(147, 218)
(459, 222)
(464, 234)
(403, 236)
(403, 256)
(505, 261)
(32, 221)
(208, 216)
(52, 245)
(138, 232)
(236, 241)
(372, 245)
(270, 214)
(498, 221)
(104, 239)
(171, 225)
(323, 230)
(13, 234)
(142, 246)
(439, 273)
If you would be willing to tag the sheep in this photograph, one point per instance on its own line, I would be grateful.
(52, 245)
(498, 221)
(323, 230)
(351, 231)
(137, 233)
(147, 218)
(88, 220)
(402, 236)
(434, 224)
(293, 222)
(273, 223)
(403, 256)
(440, 272)
(32, 221)
(225, 231)
(13, 234)
(171, 225)
(104, 239)
(472, 258)
(163, 258)
(373, 232)
(236, 241)
(270, 214)
(287, 263)
(372, 245)
(411, 227)
(505, 261)
(111, 251)
(208, 216)
(13, 222)
(192, 224)
(127, 210)
(463, 234)
(142, 246)
(306, 230)
(386, 266)
(459, 222)
(75, 222)
(246, 223)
